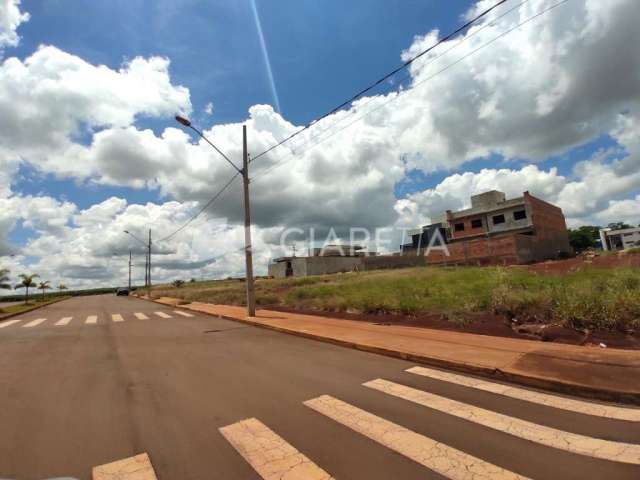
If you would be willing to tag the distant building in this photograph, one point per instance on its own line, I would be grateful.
(620, 239)
(338, 259)
(423, 237)
(497, 230)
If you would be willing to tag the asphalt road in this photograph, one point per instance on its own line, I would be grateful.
(80, 394)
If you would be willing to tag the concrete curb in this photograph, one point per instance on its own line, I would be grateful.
(563, 387)
(35, 307)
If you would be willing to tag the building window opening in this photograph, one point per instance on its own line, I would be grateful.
(459, 227)
(477, 223)
(519, 215)
(498, 219)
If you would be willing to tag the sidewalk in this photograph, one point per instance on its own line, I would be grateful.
(587, 371)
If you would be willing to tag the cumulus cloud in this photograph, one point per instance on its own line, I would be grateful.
(62, 97)
(10, 19)
(593, 193)
(540, 91)
(570, 76)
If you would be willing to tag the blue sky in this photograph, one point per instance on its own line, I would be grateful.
(320, 52)
(554, 122)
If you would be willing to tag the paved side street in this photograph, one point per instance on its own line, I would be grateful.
(89, 381)
(593, 372)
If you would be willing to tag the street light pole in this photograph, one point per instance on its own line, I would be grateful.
(251, 298)
(149, 267)
(129, 271)
(147, 261)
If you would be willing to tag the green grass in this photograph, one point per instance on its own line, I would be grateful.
(605, 299)
(32, 305)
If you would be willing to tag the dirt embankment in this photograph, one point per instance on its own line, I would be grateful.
(577, 263)
(485, 324)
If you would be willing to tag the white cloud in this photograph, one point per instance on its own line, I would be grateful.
(560, 81)
(52, 97)
(10, 19)
(208, 109)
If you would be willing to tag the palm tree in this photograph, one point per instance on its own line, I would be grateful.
(177, 283)
(62, 286)
(4, 278)
(46, 285)
(27, 282)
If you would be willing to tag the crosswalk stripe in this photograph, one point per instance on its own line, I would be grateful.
(563, 403)
(116, 317)
(184, 314)
(141, 316)
(33, 323)
(436, 456)
(9, 322)
(63, 321)
(269, 454)
(162, 315)
(91, 320)
(551, 437)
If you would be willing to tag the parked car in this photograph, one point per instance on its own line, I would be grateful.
(122, 292)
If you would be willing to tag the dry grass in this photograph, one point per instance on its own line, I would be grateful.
(591, 298)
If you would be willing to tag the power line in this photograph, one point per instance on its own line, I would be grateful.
(383, 79)
(354, 111)
(207, 205)
(486, 44)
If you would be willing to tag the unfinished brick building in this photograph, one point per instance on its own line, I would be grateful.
(500, 231)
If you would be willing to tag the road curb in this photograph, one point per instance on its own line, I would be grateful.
(35, 307)
(567, 388)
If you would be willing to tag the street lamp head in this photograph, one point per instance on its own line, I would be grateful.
(126, 231)
(183, 121)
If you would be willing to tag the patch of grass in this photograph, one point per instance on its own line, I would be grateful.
(595, 299)
(32, 305)
(633, 251)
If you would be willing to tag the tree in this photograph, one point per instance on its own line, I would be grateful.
(62, 286)
(4, 278)
(618, 226)
(177, 283)
(27, 282)
(584, 237)
(46, 285)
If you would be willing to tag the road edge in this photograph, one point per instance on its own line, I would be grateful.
(35, 307)
(542, 383)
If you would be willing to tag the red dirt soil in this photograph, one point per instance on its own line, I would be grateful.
(577, 263)
(482, 324)
(497, 325)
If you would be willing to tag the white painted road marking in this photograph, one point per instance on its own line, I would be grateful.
(116, 317)
(551, 437)
(133, 468)
(269, 454)
(162, 315)
(91, 320)
(184, 314)
(563, 403)
(33, 323)
(9, 322)
(436, 456)
(64, 321)
(141, 316)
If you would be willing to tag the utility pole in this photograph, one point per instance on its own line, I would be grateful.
(129, 271)
(251, 298)
(149, 267)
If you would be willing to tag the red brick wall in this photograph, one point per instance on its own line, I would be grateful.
(468, 231)
(550, 228)
(482, 251)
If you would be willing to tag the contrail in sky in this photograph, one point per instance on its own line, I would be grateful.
(265, 54)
